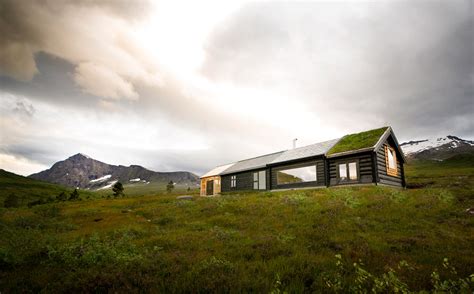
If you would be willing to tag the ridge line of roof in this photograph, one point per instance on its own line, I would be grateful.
(261, 155)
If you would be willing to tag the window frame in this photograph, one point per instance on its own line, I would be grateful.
(256, 179)
(348, 180)
(233, 181)
(391, 171)
(297, 166)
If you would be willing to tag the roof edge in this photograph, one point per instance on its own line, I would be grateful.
(350, 152)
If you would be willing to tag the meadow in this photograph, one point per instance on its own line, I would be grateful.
(337, 240)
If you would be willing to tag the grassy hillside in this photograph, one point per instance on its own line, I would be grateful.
(28, 190)
(250, 242)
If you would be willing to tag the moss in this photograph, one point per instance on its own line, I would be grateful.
(357, 141)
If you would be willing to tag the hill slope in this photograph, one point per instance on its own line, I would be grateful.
(248, 242)
(84, 172)
(27, 189)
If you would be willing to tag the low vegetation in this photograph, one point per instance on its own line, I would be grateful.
(358, 239)
(357, 141)
(29, 191)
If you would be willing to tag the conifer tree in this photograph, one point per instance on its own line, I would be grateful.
(118, 190)
(170, 187)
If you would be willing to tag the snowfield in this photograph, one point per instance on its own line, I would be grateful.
(421, 145)
(109, 185)
(101, 179)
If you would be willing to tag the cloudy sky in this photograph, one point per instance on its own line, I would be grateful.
(174, 85)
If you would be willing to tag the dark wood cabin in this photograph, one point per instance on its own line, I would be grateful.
(370, 157)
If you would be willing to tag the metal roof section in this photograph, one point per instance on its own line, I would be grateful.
(305, 151)
(252, 163)
(217, 170)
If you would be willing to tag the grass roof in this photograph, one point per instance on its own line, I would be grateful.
(357, 141)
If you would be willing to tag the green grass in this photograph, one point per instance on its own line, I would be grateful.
(28, 190)
(357, 141)
(249, 242)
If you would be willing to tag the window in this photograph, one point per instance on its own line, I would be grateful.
(343, 172)
(233, 181)
(352, 171)
(347, 171)
(259, 180)
(391, 161)
(297, 175)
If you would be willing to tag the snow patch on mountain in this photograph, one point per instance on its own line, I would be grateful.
(450, 142)
(135, 180)
(101, 179)
(109, 185)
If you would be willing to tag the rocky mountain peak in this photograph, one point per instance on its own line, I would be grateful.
(83, 171)
(438, 148)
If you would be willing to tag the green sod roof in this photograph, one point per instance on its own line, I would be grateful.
(357, 141)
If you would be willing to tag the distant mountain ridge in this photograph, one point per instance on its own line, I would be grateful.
(439, 148)
(85, 172)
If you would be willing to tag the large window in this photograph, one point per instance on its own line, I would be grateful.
(233, 181)
(297, 175)
(391, 161)
(347, 171)
(259, 181)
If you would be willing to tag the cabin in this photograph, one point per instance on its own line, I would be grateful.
(372, 157)
(211, 181)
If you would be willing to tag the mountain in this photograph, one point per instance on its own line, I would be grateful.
(437, 148)
(84, 172)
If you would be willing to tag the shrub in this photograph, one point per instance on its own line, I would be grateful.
(74, 195)
(118, 190)
(61, 197)
(11, 201)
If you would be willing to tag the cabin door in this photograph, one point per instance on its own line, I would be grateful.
(210, 187)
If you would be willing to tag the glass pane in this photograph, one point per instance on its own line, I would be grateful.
(297, 175)
(391, 159)
(343, 171)
(255, 177)
(353, 171)
(255, 185)
(261, 180)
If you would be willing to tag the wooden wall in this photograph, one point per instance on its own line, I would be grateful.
(384, 178)
(365, 168)
(244, 181)
(217, 185)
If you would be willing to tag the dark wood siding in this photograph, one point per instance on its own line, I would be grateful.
(244, 181)
(364, 168)
(384, 178)
(320, 174)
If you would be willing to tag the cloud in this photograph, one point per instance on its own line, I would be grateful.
(113, 81)
(25, 108)
(401, 63)
(94, 37)
(17, 61)
(92, 79)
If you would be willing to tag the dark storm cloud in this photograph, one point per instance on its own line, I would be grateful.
(408, 64)
(54, 84)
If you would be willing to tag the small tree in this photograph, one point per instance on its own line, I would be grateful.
(170, 187)
(11, 201)
(118, 190)
(74, 195)
(189, 189)
(62, 196)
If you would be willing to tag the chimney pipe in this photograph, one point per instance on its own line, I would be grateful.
(294, 142)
